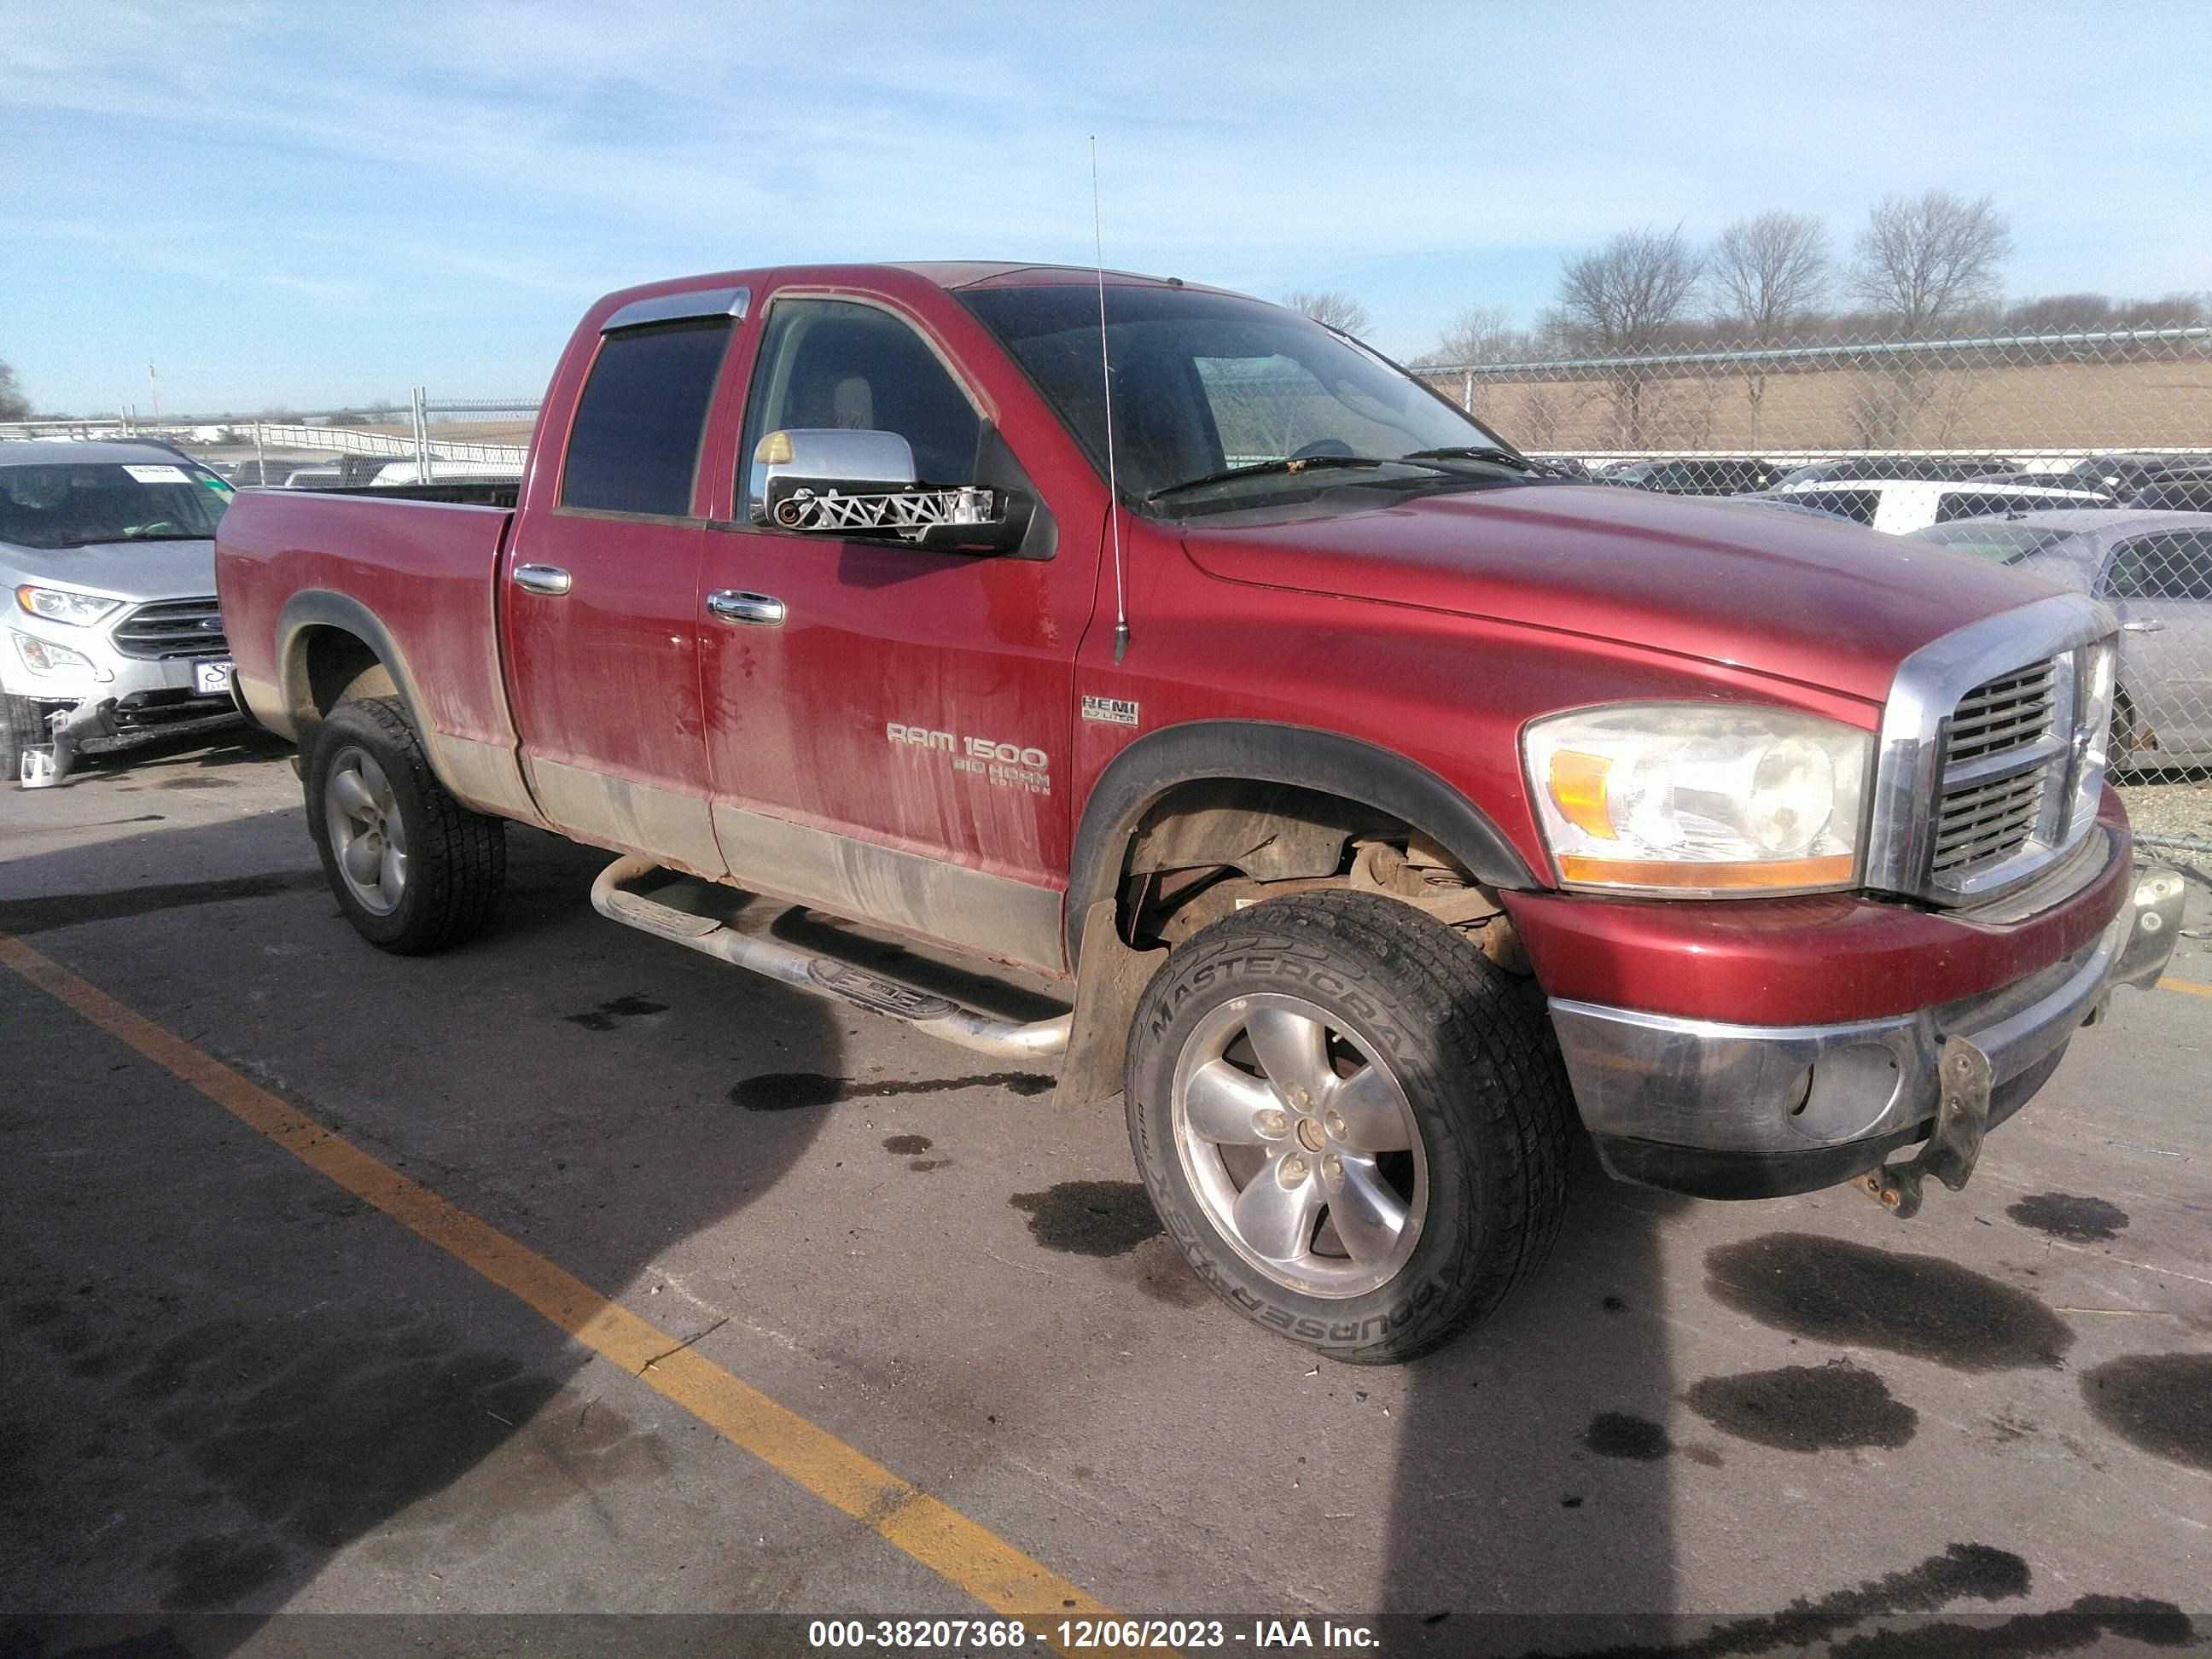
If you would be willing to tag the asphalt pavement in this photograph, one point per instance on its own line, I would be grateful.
(572, 1272)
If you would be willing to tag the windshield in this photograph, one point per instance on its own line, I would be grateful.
(1999, 541)
(1207, 383)
(75, 502)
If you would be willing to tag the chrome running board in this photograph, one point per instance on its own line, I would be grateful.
(823, 975)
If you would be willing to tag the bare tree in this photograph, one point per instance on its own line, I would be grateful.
(1624, 298)
(1481, 334)
(1332, 306)
(1769, 274)
(1926, 260)
(14, 405)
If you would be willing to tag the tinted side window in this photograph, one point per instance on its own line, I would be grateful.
(2162, 567)
(832, 363)
(1857, 505)
(634, 446)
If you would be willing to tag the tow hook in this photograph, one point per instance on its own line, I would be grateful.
(1962, 1117)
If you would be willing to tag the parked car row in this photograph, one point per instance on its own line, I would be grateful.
(2155, 569)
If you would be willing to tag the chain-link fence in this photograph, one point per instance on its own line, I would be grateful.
(1969, 441)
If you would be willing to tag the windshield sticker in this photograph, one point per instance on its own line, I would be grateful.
(1113, 711)
(158, 474)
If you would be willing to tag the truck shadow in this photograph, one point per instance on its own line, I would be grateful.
(1535, 1446)
(224, 1370)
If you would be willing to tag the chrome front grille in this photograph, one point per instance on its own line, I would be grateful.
(1991, 758)
(1998, 751)
(171, 628)
(1985, 822)
(2000, 715)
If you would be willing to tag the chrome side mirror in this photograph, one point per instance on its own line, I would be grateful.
(835, 481)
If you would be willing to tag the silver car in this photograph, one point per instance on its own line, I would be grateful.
(107, 586)
(2155, 570)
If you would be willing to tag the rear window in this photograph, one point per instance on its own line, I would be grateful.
(1857, 505)
(634, 448)
(1997, 540)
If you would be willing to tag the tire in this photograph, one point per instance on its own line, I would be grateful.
(440, 889)
(22, 726)
(1469, 1063)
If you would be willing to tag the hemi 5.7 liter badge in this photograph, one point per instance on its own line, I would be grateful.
(1112, 711)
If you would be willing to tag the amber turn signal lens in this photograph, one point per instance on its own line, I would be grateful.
(1579, 786)
(775, 450)
(1750, 877)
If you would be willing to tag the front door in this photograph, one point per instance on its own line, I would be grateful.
(2162, 587)
(888, 727)
(600, 596)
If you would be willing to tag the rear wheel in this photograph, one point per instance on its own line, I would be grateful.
(1354, 1124)
(414, 869)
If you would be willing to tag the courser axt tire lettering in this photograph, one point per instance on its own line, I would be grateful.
(1354, 1125)
(414, 869)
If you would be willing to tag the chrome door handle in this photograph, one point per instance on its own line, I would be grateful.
(734, 607)
(2143, 627)
(548, 579)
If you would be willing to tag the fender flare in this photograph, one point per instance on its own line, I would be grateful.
(1263, 751)
(318, 607)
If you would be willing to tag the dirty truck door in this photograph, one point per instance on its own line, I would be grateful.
(888, 727)
(598, 594)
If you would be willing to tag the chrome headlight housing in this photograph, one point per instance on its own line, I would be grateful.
(1700, 799)
(64, 604)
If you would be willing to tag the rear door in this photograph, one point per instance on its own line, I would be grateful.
(888, 727)
(2161, 585)
(600, 594)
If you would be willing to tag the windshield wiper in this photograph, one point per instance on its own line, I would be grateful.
(1291, 466)
(1512, 458)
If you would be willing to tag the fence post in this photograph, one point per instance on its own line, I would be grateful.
(1467, 392)
(261, 460)
(422, 438)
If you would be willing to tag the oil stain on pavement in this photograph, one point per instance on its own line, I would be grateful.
(908, 1145)
(1924, 1306)
(788, 1091)
(1805, 1408)
(2076, 1220)
(1090, 1218)
(1639, 1440)
(2160, 1403)
(603, 1018)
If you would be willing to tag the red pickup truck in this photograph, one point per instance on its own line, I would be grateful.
(1393, 810)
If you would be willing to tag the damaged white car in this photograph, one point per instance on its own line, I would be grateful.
(107, 584)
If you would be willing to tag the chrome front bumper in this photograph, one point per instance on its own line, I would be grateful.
(1755, 1110)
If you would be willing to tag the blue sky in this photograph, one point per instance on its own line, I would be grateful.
(309, 204)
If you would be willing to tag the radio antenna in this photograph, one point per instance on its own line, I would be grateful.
(1106, 385)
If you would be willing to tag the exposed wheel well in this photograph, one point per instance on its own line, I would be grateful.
(1208, 847)
(334, 667)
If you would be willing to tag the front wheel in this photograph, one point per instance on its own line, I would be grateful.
(23, 724)
(1353, 1123)
(413, 869)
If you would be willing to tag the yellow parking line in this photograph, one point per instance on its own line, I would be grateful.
(2189, 985)
(958, 1550)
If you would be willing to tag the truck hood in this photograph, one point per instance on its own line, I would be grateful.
(1828, 605)
(118, 570)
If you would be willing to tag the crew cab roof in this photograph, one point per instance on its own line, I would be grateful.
(950, 275)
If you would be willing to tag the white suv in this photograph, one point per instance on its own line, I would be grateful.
(107, 602)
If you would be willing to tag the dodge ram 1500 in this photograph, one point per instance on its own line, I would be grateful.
(1393, 810)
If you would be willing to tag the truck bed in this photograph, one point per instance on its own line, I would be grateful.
(424, 571)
